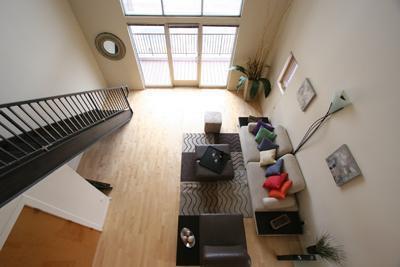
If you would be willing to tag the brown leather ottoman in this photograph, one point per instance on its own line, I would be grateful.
(223, 241)
(207, 175)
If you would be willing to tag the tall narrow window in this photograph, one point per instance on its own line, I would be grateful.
(151, 50)
(184, 52)
(217, 49)
(287, 73)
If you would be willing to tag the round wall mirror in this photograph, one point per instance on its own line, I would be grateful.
(110, 46)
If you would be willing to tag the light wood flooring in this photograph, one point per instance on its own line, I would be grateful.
(142, 162)
(40, 239)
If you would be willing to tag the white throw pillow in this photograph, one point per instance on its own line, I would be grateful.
(267, 157)
(251, 126)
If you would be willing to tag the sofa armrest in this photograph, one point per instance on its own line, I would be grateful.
(291, 166)
(272, 203)
(283, 141)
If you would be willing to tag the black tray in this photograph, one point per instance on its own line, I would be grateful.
(214, 159)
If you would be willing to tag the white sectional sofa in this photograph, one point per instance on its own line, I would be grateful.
(256, 174)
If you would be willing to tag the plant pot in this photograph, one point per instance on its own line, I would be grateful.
(246, 91)
(312, 250)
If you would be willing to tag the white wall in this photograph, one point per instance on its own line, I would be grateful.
(8, 216)
(355, 46)
(74, 163)
(64, 194)
(43, 51)
(96, 16)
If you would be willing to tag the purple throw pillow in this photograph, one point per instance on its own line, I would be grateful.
(265, 125)
(266, 144)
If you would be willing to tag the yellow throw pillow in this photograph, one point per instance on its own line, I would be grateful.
(267, 157)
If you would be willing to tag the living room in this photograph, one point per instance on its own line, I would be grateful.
(343, 49)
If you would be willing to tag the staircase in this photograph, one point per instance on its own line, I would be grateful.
(38, 136)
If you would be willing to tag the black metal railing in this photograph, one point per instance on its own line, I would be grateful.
(30, 128)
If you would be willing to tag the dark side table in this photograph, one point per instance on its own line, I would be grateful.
(263, 219)
(188, 256)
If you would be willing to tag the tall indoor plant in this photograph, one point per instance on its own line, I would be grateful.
(252, 79)
(325, 249)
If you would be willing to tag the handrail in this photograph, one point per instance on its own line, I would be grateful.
(32, 127)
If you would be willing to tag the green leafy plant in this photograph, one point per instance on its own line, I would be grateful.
(325, 248)
(253, 72)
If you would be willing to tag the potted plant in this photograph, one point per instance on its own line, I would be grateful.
(325, 249)
(252, 79)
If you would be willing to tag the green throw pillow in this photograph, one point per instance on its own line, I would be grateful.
(264, 133)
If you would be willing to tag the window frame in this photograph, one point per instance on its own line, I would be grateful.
(190, 16)
(282, 84)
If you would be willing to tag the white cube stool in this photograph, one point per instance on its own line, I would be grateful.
(212, 122)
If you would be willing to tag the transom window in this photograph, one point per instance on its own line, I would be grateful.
(182, 7)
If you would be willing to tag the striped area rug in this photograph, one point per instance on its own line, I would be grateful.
(229, 197)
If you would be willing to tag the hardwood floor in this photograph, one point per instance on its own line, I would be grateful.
(142, 162)
(40, 239)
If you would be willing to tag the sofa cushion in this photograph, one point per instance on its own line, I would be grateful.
(274, 169)
(291, 166)
(264, 133)
(286, 186)
(267, 157)
(273, 204)
(255, 176)
(266, 144)
(276, 194)
(265, 125)
(281, 192)
(251, 126)
(283, 141)
(249, 146)
(275, 181)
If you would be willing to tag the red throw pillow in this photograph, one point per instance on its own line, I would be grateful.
(282, 192)
(275, 181)
(286, 186)
(276, 194)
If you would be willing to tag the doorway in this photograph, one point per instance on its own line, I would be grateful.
(189, 55)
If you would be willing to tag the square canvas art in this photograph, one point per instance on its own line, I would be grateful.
(342, 165)
(305, 94)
